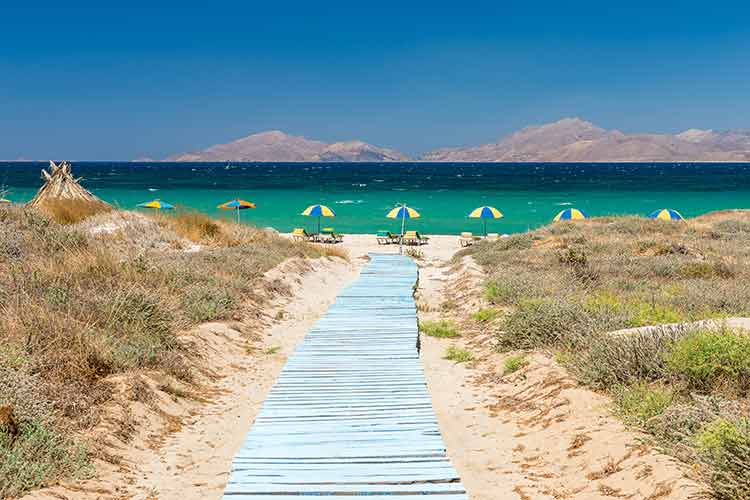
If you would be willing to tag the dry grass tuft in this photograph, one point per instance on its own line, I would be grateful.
(104, 297)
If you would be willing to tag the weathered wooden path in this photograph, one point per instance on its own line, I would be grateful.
(350, 414)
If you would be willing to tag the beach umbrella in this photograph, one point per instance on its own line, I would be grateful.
(402, 212)
(666, 214)
(485, 213)
(157, 204)
(571, 214)
(237, 205)
(318, 211)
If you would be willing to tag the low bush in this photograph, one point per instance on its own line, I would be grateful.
(712, 359)
(639, 402)
(38, 456)
(443, 329)
(545, 323)
(611, 360)
(486, 315)
(458, 354)
(725, 449)
(514, 363)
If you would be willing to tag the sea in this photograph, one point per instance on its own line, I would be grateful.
(529, 194)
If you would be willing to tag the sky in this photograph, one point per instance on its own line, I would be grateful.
(86, 81)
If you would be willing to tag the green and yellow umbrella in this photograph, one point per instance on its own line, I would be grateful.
(485, 213)
(237, 205)
(156, 204)
(318, 211)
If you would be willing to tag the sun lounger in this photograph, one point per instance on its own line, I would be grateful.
(493, 237)
(467, 239)
(328, 235)
(386, 237)
(414, 238)
(299, 234)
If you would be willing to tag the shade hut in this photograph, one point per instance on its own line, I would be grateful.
(60, 187)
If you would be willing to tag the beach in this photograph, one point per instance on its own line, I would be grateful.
(528, 195)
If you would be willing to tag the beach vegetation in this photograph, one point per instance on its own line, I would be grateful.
(513, 363)
(486, 315)
(712, 359)
(110, 295)
(639, 402)
(458, 354)
(615, 300)
(442, 329)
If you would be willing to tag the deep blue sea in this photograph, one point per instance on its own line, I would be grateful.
(529, 195)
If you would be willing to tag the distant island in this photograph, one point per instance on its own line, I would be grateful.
(566, 140)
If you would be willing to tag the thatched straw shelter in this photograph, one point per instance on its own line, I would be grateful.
(63, 192)
(60, 185)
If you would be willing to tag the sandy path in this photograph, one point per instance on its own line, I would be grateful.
(534, 434)
(192, 460)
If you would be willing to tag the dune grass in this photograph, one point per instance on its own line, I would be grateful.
(568, 284)
(458, 354)
(75, 309)
(442, 329)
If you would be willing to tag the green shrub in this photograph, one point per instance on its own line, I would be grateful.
(458, 354)
(207, 303)
(611, 360)
(725, 449)
(514, 363)
(442, 329)
(38, 457)
(638, 403)
(485, 315)
(545, 323)
(644, 314)
(706, 359)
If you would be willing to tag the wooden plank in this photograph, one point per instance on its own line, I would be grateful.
(350, 414)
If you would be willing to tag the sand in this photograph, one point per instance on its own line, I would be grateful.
(182, 447)
(532, 435)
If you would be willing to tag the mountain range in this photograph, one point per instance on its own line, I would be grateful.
(566, 140)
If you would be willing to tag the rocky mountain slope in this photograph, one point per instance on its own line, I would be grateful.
(278, 146)
(576, 140)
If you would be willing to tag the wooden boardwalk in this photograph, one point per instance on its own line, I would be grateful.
(350, 414)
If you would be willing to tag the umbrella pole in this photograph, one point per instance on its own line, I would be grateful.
(318, 226)
(401, 239)
(485, 228)
(238, 215)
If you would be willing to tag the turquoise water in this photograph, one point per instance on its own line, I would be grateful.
(529, 195)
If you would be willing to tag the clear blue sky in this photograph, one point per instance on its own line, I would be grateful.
(85, 81)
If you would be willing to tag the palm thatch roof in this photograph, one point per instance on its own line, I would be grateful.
(61, 186)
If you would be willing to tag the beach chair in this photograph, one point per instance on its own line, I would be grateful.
(386, 237)
(299, 234)
(414, 238)
(328, 235)
(466, 239)
(493, 237)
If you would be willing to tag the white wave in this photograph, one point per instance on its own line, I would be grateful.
(152, 189)
(349, 202)
(564, 204)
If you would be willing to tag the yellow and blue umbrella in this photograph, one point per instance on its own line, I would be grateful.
(666, 214)
(318, 211)
(571, 214)
(157, 204)
(485, 213)
(236, 204)
(402, 212)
